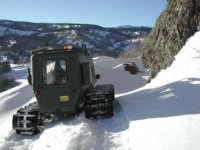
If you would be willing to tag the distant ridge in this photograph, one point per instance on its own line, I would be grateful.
(21, 36)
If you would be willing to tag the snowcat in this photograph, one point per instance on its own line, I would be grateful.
(63, 82)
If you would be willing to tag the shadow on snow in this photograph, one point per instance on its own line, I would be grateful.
(174, 99)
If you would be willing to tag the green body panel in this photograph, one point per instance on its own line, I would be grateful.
(79, 76)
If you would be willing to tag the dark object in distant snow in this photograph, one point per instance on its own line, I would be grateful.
(131, 67)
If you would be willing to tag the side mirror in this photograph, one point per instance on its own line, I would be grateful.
(97, 76)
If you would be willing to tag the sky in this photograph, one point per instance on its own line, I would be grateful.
(107, 13)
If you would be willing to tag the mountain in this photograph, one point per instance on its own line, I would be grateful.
(20, 36)
(179, 21)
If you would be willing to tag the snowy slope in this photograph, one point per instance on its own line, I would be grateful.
(65, 133)
(14, 31)
(112, 71)
(163, 115)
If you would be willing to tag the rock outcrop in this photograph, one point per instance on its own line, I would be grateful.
(179, 21)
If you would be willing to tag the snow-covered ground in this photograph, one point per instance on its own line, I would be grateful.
(162, 115)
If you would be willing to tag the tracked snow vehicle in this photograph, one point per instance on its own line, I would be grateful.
(63, 82)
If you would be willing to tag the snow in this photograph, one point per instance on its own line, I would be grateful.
(127, 44)
(43, 34)
(112, 71)
(55, 26)
(161, 115)
(88, 45)
(70, 35)
(15, 31)
(66, 26)
(95, 58)
(110, 48)
(131, 33)
(12, 42)
(118, 66)
(100, 33)
(137, 40)
(185, 64)
(165, 113)
(7, 22)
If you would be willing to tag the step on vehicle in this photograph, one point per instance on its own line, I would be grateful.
(63, 82)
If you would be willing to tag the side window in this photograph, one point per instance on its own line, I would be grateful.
(90, 73)
(54, 71)
(87, 74)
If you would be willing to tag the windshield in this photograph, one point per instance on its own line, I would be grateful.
(54, 71)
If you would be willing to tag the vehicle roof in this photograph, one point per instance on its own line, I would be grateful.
(55, 50)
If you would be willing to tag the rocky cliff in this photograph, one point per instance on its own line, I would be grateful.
(179, 21)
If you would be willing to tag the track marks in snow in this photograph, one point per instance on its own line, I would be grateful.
(58, 134)
(17, 142)
(15, 99)
(76, 133)
(102, 134)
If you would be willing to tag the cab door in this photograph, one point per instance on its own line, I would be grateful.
(55, 88)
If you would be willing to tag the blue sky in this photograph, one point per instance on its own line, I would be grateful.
(107, 13)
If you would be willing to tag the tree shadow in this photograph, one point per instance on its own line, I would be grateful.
(17, 98)
(174, 99)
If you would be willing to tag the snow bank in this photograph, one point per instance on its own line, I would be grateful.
(185, 65)
(165, 114)
(12, 99)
